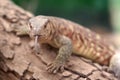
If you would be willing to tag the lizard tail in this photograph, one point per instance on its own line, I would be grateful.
(115, 64)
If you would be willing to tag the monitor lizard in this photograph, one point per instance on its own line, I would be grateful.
(71, 37)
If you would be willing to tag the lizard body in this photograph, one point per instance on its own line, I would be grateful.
(84, 42)
(71, 37)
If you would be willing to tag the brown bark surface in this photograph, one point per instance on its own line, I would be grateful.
(18, 61)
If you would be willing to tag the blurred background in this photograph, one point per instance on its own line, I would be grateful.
(99, 15)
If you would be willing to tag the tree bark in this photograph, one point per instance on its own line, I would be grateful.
(18, 61)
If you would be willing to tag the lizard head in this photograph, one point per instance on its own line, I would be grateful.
(38, 27)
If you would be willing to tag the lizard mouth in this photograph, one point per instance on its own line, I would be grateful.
(36, 37)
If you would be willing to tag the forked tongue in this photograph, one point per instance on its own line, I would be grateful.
(36, 40)
(37, 46)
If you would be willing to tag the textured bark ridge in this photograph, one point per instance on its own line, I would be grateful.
(18, 61)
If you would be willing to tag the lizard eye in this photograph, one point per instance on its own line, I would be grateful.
(30, 26)
(45, 26)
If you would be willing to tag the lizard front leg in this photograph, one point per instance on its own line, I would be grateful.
(65, 51)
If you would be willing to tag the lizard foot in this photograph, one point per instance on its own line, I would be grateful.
(55, 67)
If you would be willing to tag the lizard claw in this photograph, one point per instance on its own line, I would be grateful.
(54, 68)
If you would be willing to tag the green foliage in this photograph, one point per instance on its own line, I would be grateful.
(66, 4)
(82, 11)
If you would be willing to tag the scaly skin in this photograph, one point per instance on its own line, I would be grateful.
(70, 37)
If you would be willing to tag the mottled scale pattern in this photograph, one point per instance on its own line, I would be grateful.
(85, 42)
